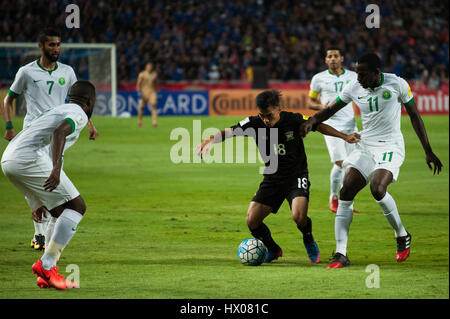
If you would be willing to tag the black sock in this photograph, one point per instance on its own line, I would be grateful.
(307, 231)
(263, 234)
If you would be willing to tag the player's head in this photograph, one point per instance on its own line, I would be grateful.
(334, 58)
(268, 104)
(368, 70)
(149, 66)
(50, 43)
(83, 93)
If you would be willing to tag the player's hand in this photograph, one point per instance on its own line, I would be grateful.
(324, 106)
(431, 158)
(306, 127)
(353, 138)
(10, 134)
(52, 181)
(203, 149)
(92, 133)
(38, 213)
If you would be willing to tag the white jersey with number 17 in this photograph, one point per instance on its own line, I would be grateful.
(328, 86)
(42, 89)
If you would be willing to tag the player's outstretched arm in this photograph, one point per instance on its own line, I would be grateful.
(205, 147)
(314, 104)
(419, 127)
(92, 131)
(7, 111)
(328, 130)
(321, 116)
(58, 142)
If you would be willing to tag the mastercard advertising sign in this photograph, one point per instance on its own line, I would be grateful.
(243, 102)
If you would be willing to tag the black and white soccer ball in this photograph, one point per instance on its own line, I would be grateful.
(252, 252)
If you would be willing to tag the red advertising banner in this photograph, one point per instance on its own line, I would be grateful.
(431, 101)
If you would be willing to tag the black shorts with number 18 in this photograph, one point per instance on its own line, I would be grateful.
(273, 192)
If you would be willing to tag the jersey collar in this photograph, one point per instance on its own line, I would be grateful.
(381, 83)
(49, 71)
(337, 75)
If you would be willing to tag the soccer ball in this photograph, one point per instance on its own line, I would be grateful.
(252, 252)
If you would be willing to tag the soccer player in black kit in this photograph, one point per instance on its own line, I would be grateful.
(277, 135)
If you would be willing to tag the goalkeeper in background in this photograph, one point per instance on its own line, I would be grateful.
(147, 92)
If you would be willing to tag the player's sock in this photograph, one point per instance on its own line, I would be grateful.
(336, 176)
(49, 231)
(307, 231)
(389, 208)
(38, 228)
(263, 234)
(46, 219)
(65, 228)
(344, 217)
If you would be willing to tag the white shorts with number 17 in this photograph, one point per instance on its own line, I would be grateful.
(338, 148)
(367, 159)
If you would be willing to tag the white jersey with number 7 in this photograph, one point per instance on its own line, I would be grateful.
(42, 89)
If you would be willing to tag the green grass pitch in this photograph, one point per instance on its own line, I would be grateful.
(154, 229)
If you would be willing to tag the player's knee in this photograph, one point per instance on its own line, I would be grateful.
(82, 207)
(378, 190)
(77, 204)
(299, 219)
(252, 222)
(346, 194)
(57, 211)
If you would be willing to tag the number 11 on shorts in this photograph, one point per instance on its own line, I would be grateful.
(385, 155)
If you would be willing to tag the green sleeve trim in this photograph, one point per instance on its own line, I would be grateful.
(410, 102)
(72, 123)
(12, 94)
(340, 102)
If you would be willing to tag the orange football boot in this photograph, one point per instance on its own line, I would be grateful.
(52, 277)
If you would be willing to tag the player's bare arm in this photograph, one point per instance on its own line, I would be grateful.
(329, 130)
(314, 104)
(204, 148)
(58, 142)
(92, 131)
(139, 82)
(7, 111)
(419, 128)
(321, 116)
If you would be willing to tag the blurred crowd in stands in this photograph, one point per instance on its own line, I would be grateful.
(219, 40)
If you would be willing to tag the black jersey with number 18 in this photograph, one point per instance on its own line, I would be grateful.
(281, 141)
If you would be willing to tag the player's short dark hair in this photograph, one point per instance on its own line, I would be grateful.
(48, 32)
(372, 60)
(82, 90)
(267, 99)
(334, 49)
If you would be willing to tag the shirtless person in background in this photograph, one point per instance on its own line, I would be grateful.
(147, 92)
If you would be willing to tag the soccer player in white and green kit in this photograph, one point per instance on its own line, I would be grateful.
(44, 84)
(325, 88)
(38, 174)
(381, 151)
